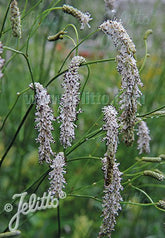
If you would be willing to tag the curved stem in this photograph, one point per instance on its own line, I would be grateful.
(149, 198)
(145, 57)
(4, 21)
(76, 32)
(31, 106)
(43, 15)
(76, 47)
(83, 64)
(69, 37)
(27, 61)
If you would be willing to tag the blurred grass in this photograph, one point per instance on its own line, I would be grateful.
(84, 177)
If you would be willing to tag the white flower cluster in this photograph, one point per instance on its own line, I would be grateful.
(112, 175)
(56, 177)
(111, 127)
(144, 138)
(111, 201)
(15, 19)
(2, 61)
(43, 118)
(130, 77)
(69, 102)
(84, 18)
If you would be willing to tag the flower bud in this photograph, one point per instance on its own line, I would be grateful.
(15, 19)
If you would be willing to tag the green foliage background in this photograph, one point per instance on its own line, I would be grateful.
(80, 217)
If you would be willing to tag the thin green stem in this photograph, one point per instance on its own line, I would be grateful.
(24, 15)
(84, 196)
(4, 20)
(139, 204)
(98, 61)
(83, 64)
(131, 180)
(15, 135)
(55, 77)
(145, 57)
(83, 140)
(76, 32)
(24, 10)
(88, 36)
(131, 167)
(82, 158)
(132, 175)
(58, 218)
(149, 198)
(43, 15)
(37, 182)
(148, 113)
(27, 61)
(10, 111)
(153, 185)
(69, 37)
(82, 90)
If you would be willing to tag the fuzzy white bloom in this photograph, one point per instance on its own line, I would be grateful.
(112, 175)
(130, 77)
(84, 18)
(144, 138)
(111, 127)
(111, 200)
(15, 19)
(56, 176)
(43, 118)
(130, 94)
(120, 37)
(2, 61)
(69, 102)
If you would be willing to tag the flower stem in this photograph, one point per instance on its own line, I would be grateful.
(76, 32)
(84, 196)
(10, 111)
(76, 47)
(4, 21)
(58, 217)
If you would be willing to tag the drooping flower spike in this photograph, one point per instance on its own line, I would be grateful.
(84, 18)
(44, 118)
(69, 102)
(15, 19)
(56, 176)
(112, 175)
(130, 77)
(144, 138)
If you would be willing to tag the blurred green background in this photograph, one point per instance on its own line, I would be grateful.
(80, 217)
